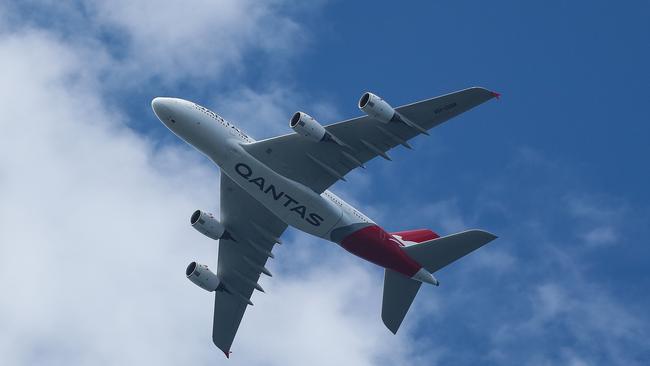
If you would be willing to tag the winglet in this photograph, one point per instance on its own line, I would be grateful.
(496, 95)
(227, 354)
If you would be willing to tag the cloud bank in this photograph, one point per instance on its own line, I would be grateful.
(95, 236)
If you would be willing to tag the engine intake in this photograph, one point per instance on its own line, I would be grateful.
(380, 110)
(376, 107)
(201, 276)
(206, 224)
(306, 125)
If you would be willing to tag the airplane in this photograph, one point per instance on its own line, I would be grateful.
(270, 184)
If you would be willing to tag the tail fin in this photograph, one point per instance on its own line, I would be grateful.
(400, 291)
(416, 236)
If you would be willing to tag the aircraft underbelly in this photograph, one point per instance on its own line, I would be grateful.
(290, 201)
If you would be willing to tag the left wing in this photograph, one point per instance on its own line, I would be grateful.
(254, 231)
(318, 165)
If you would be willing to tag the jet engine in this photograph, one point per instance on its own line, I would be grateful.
(201, 276)
(206, 224)
(380, 110)
(377, 108)
(306, 125)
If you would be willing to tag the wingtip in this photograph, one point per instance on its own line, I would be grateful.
(227, 353)
(391, 329)
(491, 236)
(389, 325)
(496, 95)
(488, 236)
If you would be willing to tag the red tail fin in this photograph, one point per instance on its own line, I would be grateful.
(417, 236)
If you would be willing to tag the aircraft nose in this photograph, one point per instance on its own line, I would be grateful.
(162, 107)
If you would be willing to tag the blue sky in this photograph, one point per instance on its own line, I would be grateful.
(557, 168)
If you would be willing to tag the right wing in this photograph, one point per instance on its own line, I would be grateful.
(318, 165)
(254, 231)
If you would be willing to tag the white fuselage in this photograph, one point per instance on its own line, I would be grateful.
(292, 202)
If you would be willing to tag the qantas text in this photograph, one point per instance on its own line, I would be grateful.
(294, 206)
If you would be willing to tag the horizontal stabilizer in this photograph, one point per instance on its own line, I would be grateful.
(399, 292)
(437, 253)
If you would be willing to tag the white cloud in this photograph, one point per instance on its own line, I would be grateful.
(193, 41)
(267, 111)
(94, 239)
(591, 208)
(570, 320)
(83, 219)
(599, 236)
(346, 302)
(596, 221)
(196, 38)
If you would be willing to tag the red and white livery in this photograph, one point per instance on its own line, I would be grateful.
(270, 184)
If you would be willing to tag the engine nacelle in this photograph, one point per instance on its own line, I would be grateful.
(377, 108)
(306, 125)
(206, 224)
(201, 276)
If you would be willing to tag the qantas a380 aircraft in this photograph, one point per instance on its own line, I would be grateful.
(270, 184)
